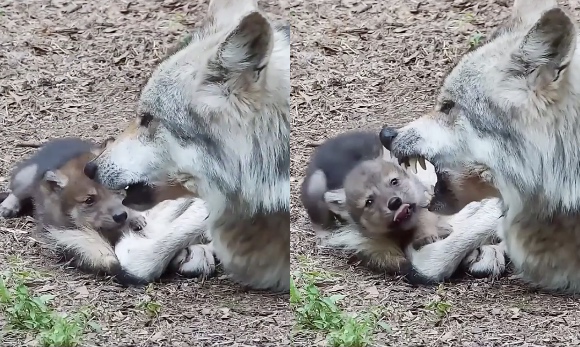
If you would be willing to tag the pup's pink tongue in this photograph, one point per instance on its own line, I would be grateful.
(402, 212)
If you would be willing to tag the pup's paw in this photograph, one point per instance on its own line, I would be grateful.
(427, 240)
(195, 261)
(486, 261)
(9, 211)
(137, 222)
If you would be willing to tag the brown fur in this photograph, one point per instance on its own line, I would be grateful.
(385, 240)
(67, 200)
(455, 189)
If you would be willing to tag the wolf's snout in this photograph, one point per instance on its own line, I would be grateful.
(387, 135)
(120, 218)
(394, 203)
(90, 170)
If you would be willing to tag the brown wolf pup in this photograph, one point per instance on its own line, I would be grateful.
(387, 207)
(73, 213)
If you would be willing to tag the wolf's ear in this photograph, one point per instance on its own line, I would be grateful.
(247, 49)
(56, 181)
(226, 11)
(526, 12)
(546, 50)
(336, 201)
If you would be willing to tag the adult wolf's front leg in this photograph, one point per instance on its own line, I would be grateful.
(171, 227)
(474, 226)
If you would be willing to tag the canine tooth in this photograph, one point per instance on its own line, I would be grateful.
(413, 164)
(422, 163)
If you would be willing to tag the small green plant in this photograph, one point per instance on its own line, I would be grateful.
(356, 331)
(151, 307)
(316, 312)
(27, 313)
(475, 39)
(440, 307)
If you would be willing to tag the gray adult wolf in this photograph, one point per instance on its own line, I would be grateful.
(511, 109)
(214, 123)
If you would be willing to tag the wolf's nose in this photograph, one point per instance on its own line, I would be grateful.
(387, 135)
(120, 218)
(394, 203)
(90, 170)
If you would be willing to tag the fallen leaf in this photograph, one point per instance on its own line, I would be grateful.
(82, 291)
(205, 311)
(226, 313)
(45, 288)
(448, 336)
(334, 289)
(373, 292)
(157, 336)
(516, 313)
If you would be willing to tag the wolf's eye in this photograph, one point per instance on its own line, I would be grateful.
(89, 200)
(369, 201)
(446, 106)
(146, 118)
(395, 182)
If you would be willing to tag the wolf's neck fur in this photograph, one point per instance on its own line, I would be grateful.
(548, 178)
(257, 150)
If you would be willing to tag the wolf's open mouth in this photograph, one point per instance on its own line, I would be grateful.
(413, 161)
(137, 193)
(404, 213)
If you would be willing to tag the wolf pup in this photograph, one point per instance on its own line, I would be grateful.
(387, 206)
(214, 119)
(395, 233)
(329, 165)
(73, 213)
(27, 174)
(511, 107)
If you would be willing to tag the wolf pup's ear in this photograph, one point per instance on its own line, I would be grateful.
(56, 181)
(336, 201)
(546, 50)
(248, 48)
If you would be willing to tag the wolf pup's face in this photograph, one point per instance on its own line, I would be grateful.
(200, 97)
(382, 198)
(84, 201)
(503, 110)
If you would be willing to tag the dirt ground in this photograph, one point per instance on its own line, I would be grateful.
(364, 64)
(75, 68)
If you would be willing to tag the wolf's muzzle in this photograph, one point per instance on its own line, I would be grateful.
(90, 170)
(387, 135)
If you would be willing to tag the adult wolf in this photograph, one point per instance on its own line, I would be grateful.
(512, 108)
(214, 121)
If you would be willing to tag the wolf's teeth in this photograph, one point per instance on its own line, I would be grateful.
(422, 163)
(413, 164)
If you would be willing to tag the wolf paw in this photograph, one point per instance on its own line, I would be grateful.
(137, 222)
(486, 261)
(8, 211)
(195, 261)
